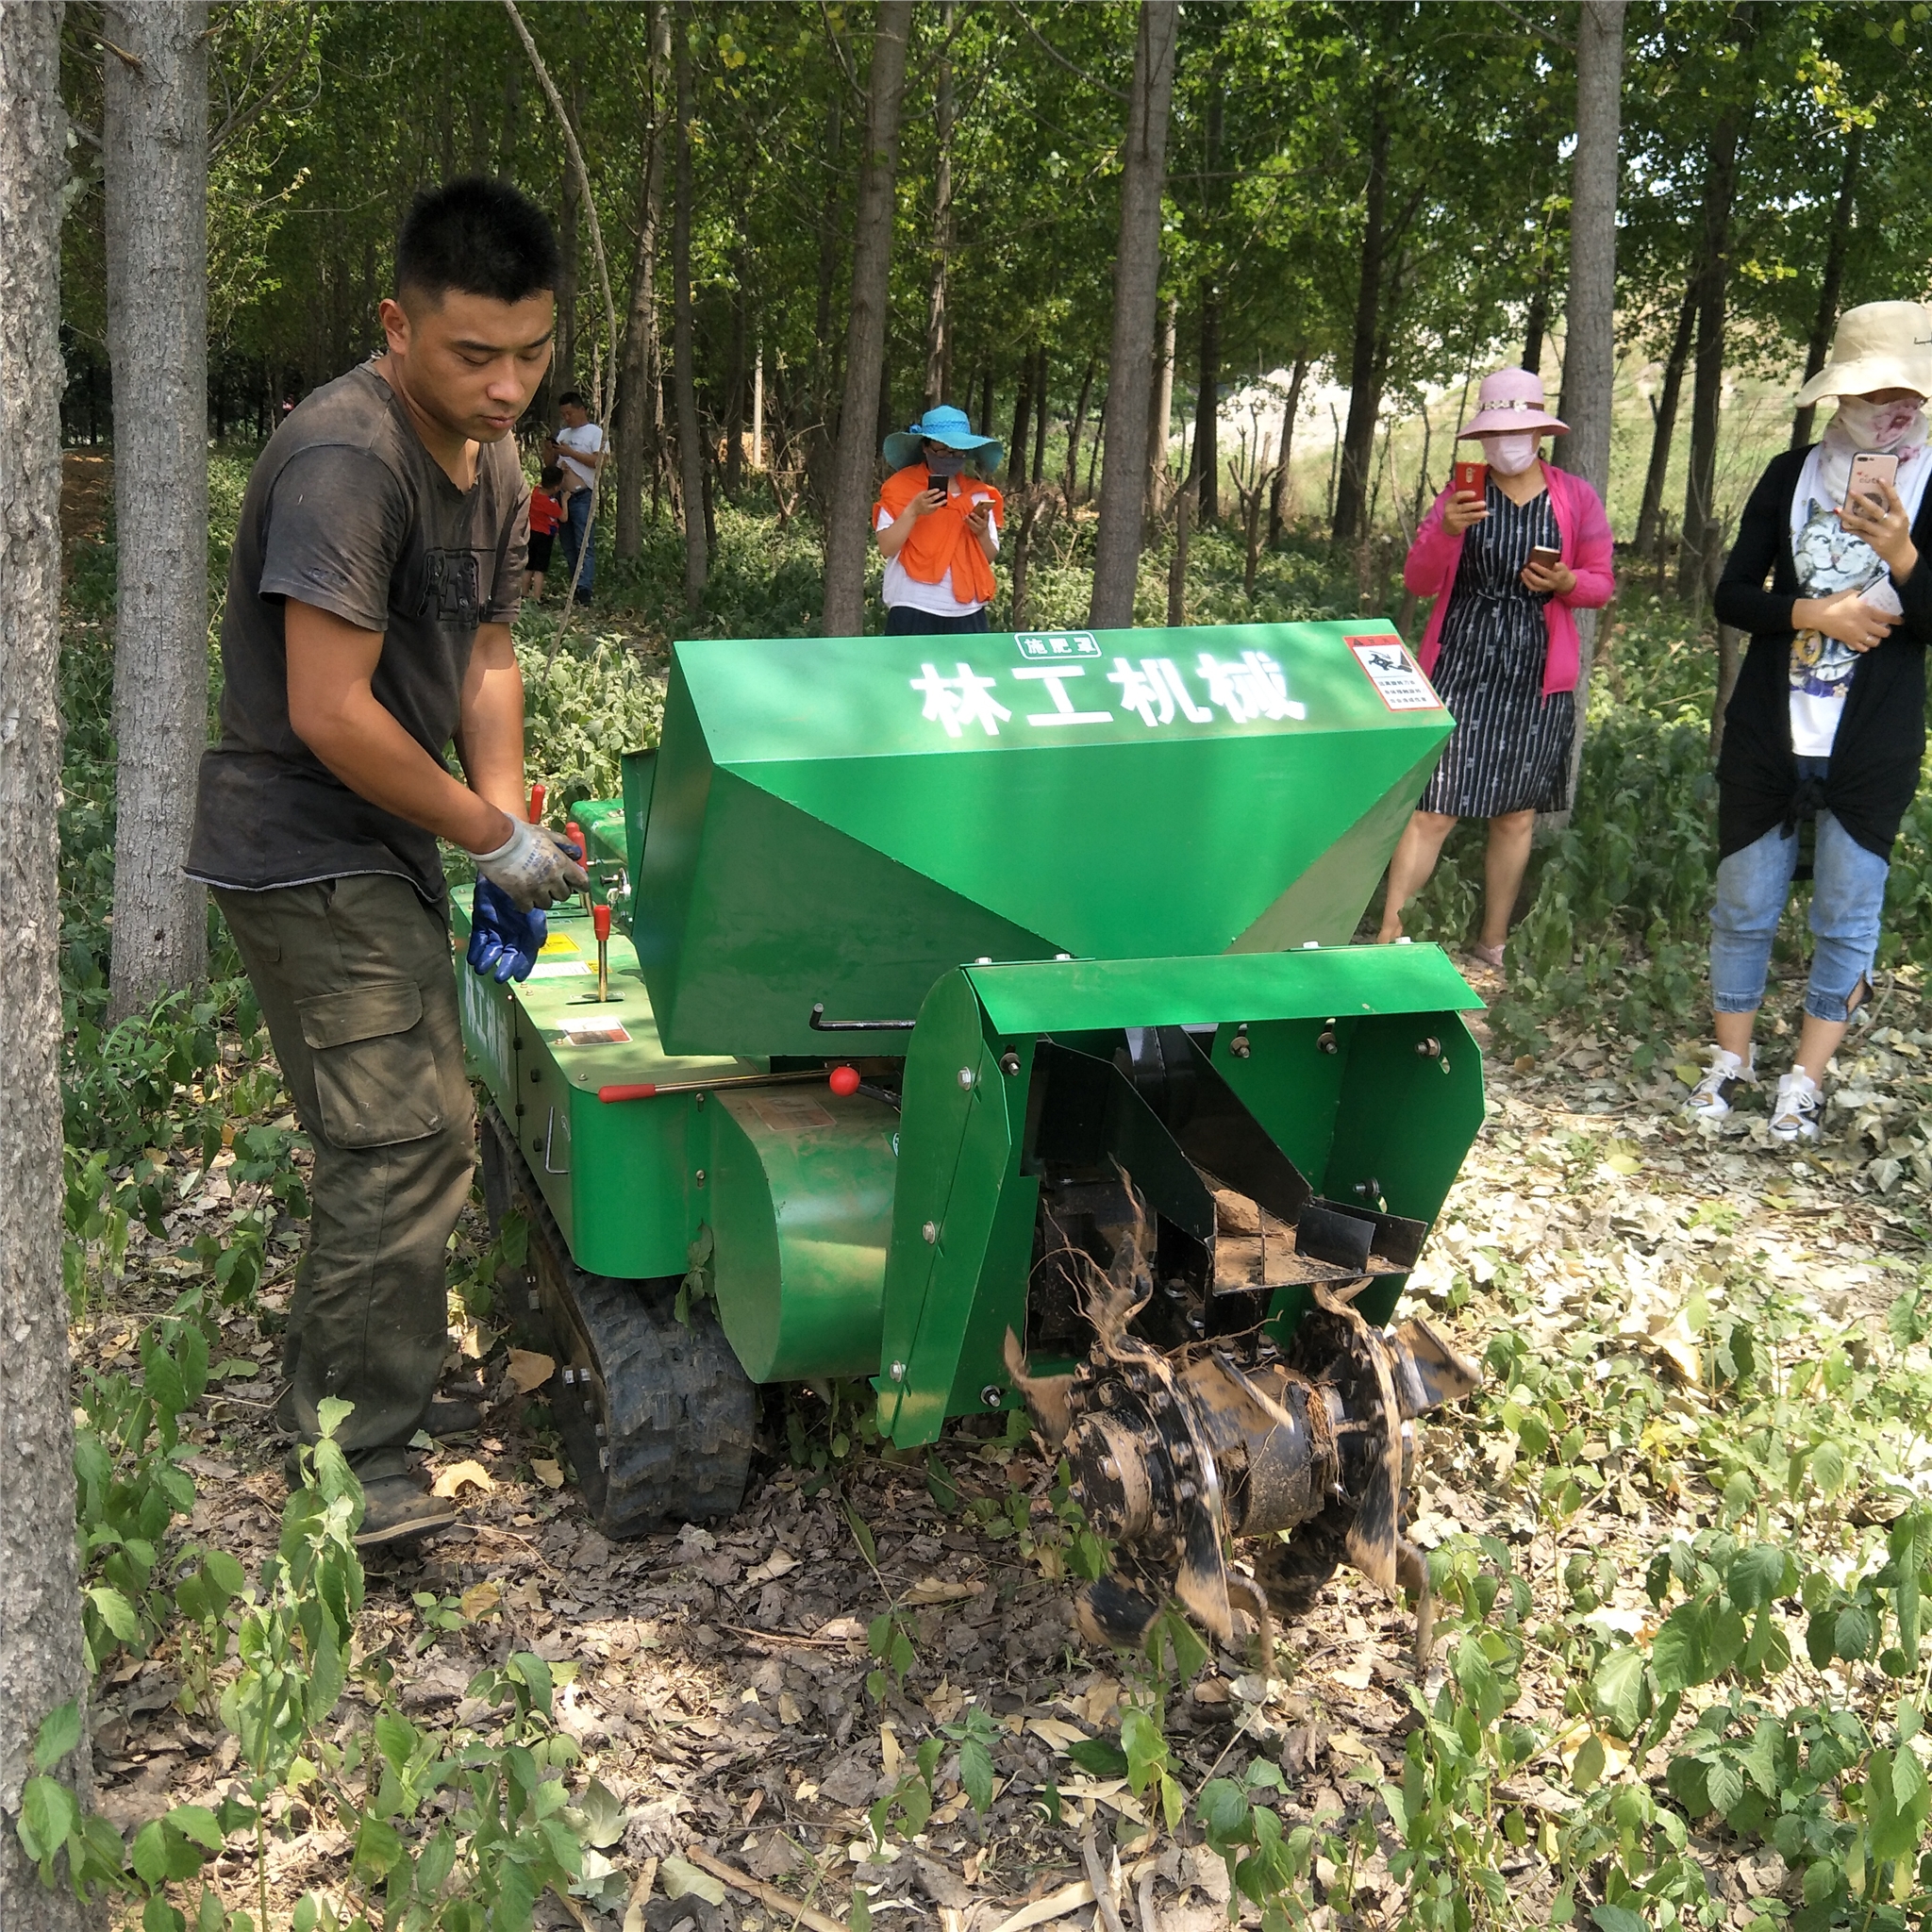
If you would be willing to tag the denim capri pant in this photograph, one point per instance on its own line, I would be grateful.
(1847, 897)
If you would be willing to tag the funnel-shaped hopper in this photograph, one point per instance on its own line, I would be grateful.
(835, 823)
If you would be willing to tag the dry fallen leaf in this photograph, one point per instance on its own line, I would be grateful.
(1103, 1694)
(524, 1595)
(452, 1480)
(1057, 1731)
(1211, 1690)
(549, 1474)
(480, 1599)
(933, 1590)
(889, 1754)
(1674, 1341)
(528, 1369)
(1356, 1676)
(1570, 1741)
(780, 1563)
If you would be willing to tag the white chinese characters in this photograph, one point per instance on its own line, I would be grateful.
(1155, 690)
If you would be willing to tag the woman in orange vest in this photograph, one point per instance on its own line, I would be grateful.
(939, 527)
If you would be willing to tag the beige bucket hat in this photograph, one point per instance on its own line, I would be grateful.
(1878, 346)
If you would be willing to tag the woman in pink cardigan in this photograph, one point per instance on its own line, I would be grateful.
(1501, 647)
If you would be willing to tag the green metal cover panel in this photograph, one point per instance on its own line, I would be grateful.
(839, 821)
(1375, 1107)
(617, 1178)
(799, 1193)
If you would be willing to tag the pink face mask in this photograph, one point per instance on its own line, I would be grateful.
(1882, 427)
(1511, 454)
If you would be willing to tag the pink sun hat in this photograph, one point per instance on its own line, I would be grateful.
(1509, 403)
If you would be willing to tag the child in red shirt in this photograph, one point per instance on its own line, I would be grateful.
(546, 513)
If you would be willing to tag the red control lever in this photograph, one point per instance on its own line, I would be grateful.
(537, 797)
(844, 1080)
(600, 923)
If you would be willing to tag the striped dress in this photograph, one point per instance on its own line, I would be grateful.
(1510, 748)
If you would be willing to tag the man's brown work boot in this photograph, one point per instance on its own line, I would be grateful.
(397, 1509)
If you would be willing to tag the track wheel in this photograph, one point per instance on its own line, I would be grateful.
(659, 1417)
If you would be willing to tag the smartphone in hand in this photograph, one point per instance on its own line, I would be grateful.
(1544, 557)
(1473, 477)
(1869, 468)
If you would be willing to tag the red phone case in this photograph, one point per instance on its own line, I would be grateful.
(1473, 476)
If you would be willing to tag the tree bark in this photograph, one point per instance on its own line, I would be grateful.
(938, 341)
(154, 158)
(1663, 426)
(1161, 408)
(1022, 423)
(683, 377)
(1832, 282)
(734, 380)
(1135, 287)
(637, 411)
(1536, 322)
(1080, 428)
(42, 1665)
(824, 375)
(1590, 351)
(848, 519)
(1365, 390)
(1277, 491)
(1207, 407)
(1697, 558)
(1039, 415)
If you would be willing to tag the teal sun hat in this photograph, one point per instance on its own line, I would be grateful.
(947, 425)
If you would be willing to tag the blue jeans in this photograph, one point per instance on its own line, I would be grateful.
(576, 536)
(1847, 896)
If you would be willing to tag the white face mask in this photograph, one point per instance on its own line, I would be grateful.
(1511, 454)
(1882, 427)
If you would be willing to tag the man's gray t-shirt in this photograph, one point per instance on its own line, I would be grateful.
(348, 511)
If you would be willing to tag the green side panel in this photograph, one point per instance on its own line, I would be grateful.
(619, 1178)
(639, 773)
(1326, 903)
(785, 915)
(956, 1143)
(1111, 794)
(1406, 1122)
(799, 1197)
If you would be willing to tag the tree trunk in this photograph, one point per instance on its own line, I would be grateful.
(1093, 450)
(42, 1666)
(1136, 287)
(1832, 282)
(1039, 415)
(154, 158)
(1535, 323)
(734, 383)
(1697, 558)
(1278, 492)
(1177, 564)
(1590, 349)
(986, 399)
(636, 424)
(564, 368)
(1161, 408)
(1663, 428)
(1207, 406)
(848, 517)
(1365, 389)
(683, 377)
(938, 341)
(1023, 421)
(824, 375)
(1079, 429)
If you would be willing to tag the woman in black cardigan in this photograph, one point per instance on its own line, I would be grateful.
(1827, 719)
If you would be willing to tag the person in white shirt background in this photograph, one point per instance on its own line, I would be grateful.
(578, 447)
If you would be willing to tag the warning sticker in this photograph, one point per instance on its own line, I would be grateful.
(1394, 673)
(559, 969)
(559, 944)
(589, 1030)
(791, 1113)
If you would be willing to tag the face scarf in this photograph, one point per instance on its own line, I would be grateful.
(1891, 428)
(1511, 454)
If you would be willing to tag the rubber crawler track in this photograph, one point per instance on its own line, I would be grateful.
(679, 1415)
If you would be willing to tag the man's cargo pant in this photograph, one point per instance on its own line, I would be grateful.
(355, 982)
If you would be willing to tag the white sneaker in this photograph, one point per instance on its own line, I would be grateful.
(1710, 1099)
(1800, 1100)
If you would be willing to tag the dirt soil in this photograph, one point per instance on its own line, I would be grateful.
(721, 1692)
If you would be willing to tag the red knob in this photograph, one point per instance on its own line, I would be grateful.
(600, 922)
(844, 1080)
(537, 797)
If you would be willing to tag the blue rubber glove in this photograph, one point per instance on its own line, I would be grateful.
(504, 942)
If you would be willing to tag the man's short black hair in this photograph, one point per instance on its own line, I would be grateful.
(478, 237)
(573, 399)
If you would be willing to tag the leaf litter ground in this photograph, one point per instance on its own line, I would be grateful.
(721, 1689)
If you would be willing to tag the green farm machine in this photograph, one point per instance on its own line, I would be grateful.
(983, 1021)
